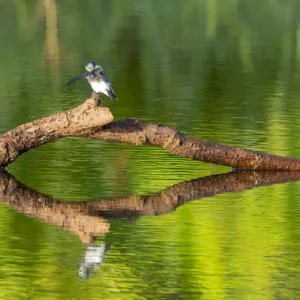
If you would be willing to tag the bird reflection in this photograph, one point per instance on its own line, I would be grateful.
(90, 219)
(93, 258)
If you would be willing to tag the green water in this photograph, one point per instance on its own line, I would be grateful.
(224, 71)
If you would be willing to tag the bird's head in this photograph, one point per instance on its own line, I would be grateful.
(91, 65)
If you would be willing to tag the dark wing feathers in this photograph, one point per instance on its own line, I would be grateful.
(77, 78)
(98, 72)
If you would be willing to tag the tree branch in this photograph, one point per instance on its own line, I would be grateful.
(134, 131)
(90, 120)
(79, 120)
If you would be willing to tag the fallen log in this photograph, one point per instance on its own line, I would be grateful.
(134, 131)
(91, 121)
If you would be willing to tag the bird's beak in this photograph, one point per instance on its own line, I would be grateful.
(77, 78)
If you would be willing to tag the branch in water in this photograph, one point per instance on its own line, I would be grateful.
(90, 120)
(134, 131)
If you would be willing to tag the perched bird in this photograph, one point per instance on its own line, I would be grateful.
(97, 79)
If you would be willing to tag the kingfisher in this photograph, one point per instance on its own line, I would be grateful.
(97, 79)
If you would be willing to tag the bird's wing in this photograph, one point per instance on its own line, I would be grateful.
(77, 78)
(100, 73)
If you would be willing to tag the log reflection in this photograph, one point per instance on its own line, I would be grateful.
(70, 216)
(88, 219)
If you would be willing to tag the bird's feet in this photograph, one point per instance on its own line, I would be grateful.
(95, 96)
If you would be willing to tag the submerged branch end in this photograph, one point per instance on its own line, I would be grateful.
(134, 131)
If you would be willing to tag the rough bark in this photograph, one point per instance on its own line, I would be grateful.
(86, 117)
(88, 219)
(134, 131)
(90, 120)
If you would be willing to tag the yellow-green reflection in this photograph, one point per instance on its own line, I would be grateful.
(233, 245)
(226, 71)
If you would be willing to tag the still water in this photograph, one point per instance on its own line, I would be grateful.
(87, 219)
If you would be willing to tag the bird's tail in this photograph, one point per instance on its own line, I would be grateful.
(112, 94)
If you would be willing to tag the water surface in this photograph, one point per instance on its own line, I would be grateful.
(224, 71)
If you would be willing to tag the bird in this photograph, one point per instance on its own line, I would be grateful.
(97, 79)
